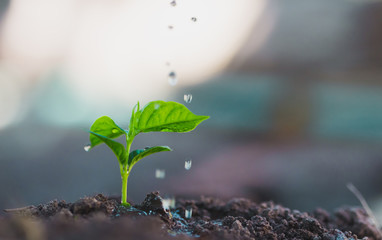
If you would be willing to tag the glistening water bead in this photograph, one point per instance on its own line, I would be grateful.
(188, 164)
(187, 98)
(188, 212)
(172, 80)
(87, 147)
(160, 173)
(168, 203)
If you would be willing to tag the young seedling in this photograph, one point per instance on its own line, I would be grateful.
(157, 116)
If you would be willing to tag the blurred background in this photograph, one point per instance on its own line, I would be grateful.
(293, 89)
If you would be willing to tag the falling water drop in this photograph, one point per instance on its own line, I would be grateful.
(194, 19)
(188, 212)
(172, 80)
(170, 26)
(187, 98)
(188, 164)
(160, 173)
(87, 147)
(173, 3)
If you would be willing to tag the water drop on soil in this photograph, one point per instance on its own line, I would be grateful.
(187, 98)
(160, 173)
(87, 147)
(168, 203)
(172, 80)
(188, 212)
(187, 164)
(194, 19)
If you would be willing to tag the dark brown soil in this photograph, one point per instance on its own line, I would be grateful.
(101, 217)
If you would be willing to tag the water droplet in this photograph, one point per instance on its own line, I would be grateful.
(187, 98)
(168, 203)
(156, 106)
(172, 80)
(172, 203)
(147, 147)
(115, 130)
(194, 19)
(170, 27)
(87, 147)
(187, 164)
(188, 212)
(173, 3)
(160, 173)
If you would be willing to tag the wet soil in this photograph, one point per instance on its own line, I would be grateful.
(102, 217)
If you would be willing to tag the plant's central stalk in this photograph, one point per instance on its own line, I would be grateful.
(125, 176)
(125, 171)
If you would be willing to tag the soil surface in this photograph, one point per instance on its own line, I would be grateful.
(102, 217)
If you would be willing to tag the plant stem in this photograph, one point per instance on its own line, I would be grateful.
(125, 176)
(125, 171)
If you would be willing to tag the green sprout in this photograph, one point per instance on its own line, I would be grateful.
(157, 116)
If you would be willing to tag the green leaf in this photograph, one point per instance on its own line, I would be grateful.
(133, 120)
(138, 154)
(116, 147)
(106, 127)
(160, 116)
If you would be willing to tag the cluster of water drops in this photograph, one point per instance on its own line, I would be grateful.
(172, 80)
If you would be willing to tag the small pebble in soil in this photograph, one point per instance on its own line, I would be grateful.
(160, 173)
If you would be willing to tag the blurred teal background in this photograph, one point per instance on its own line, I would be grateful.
(293, 89)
